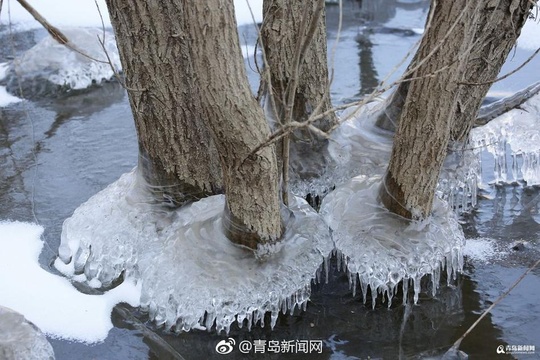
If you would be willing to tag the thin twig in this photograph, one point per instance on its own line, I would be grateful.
(504, 76)
(54, 32)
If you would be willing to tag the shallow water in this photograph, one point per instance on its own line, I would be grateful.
(83, 143)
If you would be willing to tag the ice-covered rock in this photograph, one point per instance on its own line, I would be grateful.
(379, 249)
(50, 68)
(513, 141)
(20, 339)
(192, 276)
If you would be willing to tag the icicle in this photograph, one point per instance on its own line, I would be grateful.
(416, 285)
(326, 265)
(405, 290)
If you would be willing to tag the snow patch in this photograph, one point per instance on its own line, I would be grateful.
(84, 13)
(50, 301)
(483, 250)
(6, 98)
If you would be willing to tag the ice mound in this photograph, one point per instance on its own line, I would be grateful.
(192, 276)
(379, 249)
(513, 140)
(49, 68)
(20, 339)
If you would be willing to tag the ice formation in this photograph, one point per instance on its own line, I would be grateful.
(513, 140)
(191, 275)
(5, 97)
(379, 249)
(359, 147)
(49, 67)
(20, 339)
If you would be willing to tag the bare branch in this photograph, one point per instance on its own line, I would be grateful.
(504, 76)
(53, 31)
(491, 111)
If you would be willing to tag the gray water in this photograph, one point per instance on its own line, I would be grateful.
(56, 153)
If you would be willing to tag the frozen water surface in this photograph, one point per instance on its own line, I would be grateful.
(379, 249)
(191, 275)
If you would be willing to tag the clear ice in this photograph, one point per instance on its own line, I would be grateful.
(512, 140)
(192, 276)
(50, 64)
(379, 249)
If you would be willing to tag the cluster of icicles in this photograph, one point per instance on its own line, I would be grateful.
(194, 278)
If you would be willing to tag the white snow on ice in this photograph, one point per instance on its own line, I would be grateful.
(50, 301)
(480, 249)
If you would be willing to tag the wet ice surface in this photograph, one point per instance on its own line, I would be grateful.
(201, 278)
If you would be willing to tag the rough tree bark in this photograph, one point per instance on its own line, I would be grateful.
(177, 156)
(497, 29)
(435, 110)
(184, 60)
(285, 27)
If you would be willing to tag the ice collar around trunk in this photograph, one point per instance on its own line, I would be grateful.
(192, 276)
(379, 249)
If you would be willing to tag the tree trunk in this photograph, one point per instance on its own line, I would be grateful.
(428, 119)
(177, 156)
(497, 29)
(190, 91)
(286, 27)
(236, 122)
